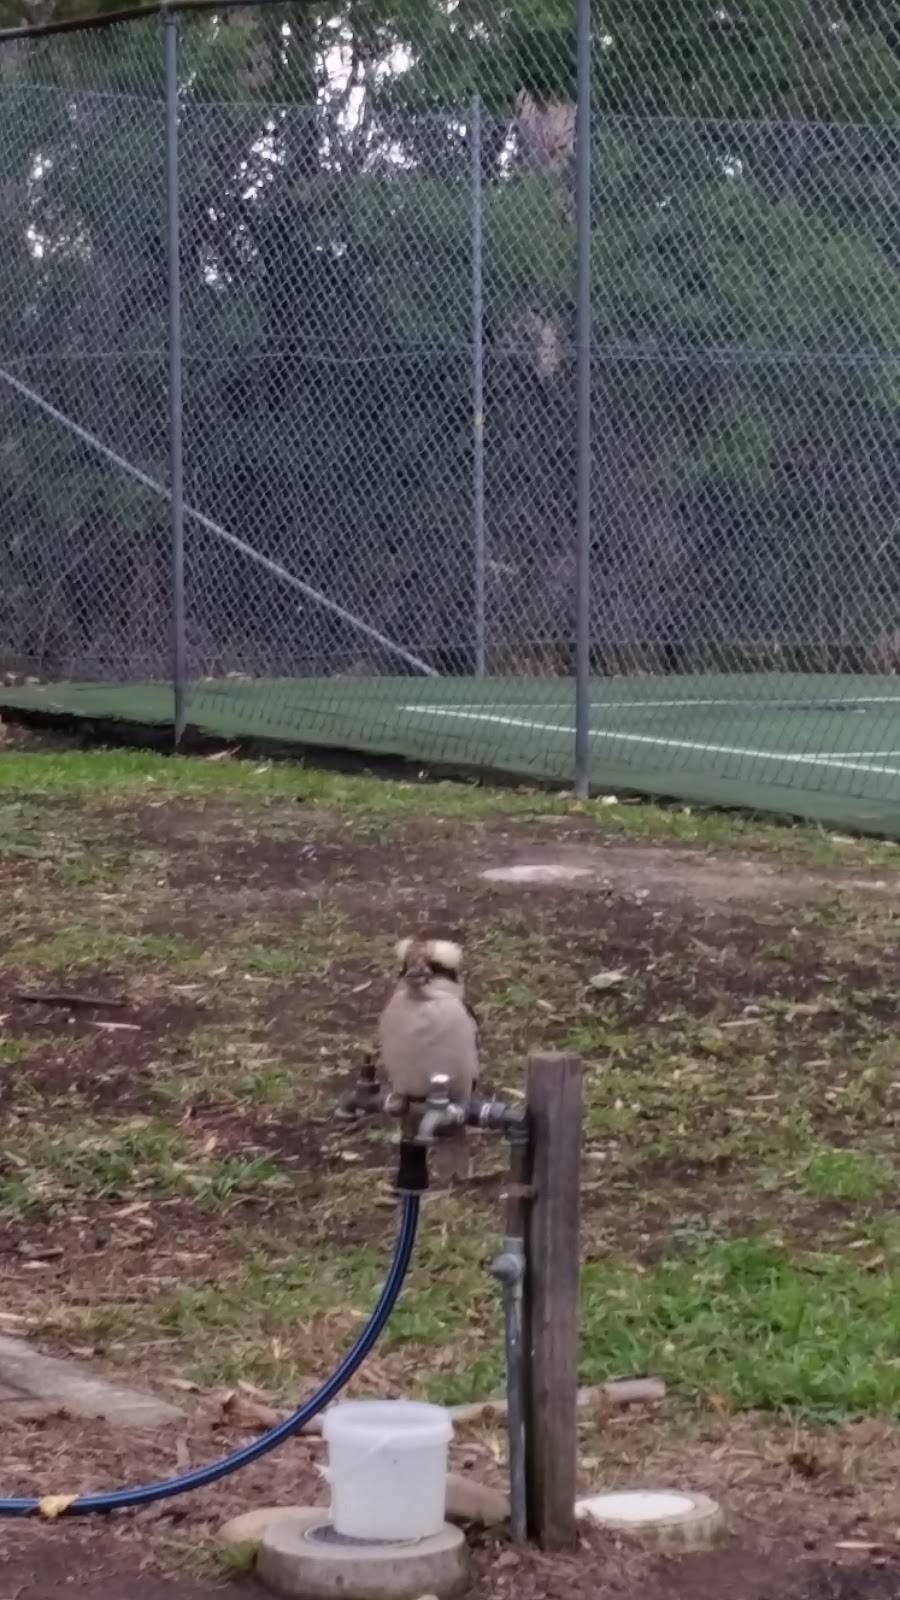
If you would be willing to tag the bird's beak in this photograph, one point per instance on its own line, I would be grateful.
(417, 975)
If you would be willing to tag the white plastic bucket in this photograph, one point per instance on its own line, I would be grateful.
(387, 1468)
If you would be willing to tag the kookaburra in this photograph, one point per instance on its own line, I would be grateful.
(427, 1026)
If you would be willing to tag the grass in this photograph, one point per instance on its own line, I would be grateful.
(107, 778)
(227, 1066)
(45, 1168)
(84, 945)
(12, 1050)
(850, 1175)
(751, 1324)
(741, 1099)
(276, 1322)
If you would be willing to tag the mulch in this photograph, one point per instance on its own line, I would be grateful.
(105, 1561)
(788, 1539)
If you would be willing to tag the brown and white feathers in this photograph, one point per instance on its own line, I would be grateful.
(427, 1027)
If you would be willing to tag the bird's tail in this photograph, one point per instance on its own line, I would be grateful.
(452, 1159)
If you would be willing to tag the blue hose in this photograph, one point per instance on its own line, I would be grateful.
(144, 1494)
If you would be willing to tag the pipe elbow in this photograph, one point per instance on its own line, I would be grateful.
(509, 1266)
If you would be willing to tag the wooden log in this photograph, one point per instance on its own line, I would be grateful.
(553, 1247)
(615, 1392)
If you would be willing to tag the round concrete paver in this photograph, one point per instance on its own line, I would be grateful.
(537, 872)
(299, 1556)
(668, 1519)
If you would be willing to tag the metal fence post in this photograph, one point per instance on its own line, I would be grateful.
(176, 461)
(583, 388)
(477, 388)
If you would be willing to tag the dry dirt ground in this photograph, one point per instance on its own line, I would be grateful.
(194, 957)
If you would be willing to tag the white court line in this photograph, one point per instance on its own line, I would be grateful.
(698, 746)
(830, 706)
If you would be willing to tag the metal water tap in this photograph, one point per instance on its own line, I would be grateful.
(363, 1099)
(441, 1113)
(366, 1098)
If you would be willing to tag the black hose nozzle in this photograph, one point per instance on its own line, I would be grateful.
(412, 1169)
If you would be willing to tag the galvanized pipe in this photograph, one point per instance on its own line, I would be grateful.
(583, 388)
(478, 543)
(176, 408)
(509, 1270)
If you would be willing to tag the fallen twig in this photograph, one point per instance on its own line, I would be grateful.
(60, 997)
(248, 1412)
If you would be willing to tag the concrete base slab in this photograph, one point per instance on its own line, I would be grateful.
(34, 1386)
(300, 1556)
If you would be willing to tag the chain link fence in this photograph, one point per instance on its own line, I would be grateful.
(378, 239)
(747, 380)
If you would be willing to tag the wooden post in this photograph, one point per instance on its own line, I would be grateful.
(551, 1310)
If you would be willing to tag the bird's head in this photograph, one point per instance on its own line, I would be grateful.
(423, 959)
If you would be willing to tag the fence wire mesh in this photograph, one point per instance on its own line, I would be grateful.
(378, 242)
(83, 317)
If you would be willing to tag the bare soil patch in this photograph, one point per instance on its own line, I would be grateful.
(102, 1054)
(666, 873)
(661, 874)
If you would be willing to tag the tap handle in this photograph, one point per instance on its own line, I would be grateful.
(438, 1090)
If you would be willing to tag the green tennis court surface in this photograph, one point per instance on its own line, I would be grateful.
(824, 747)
